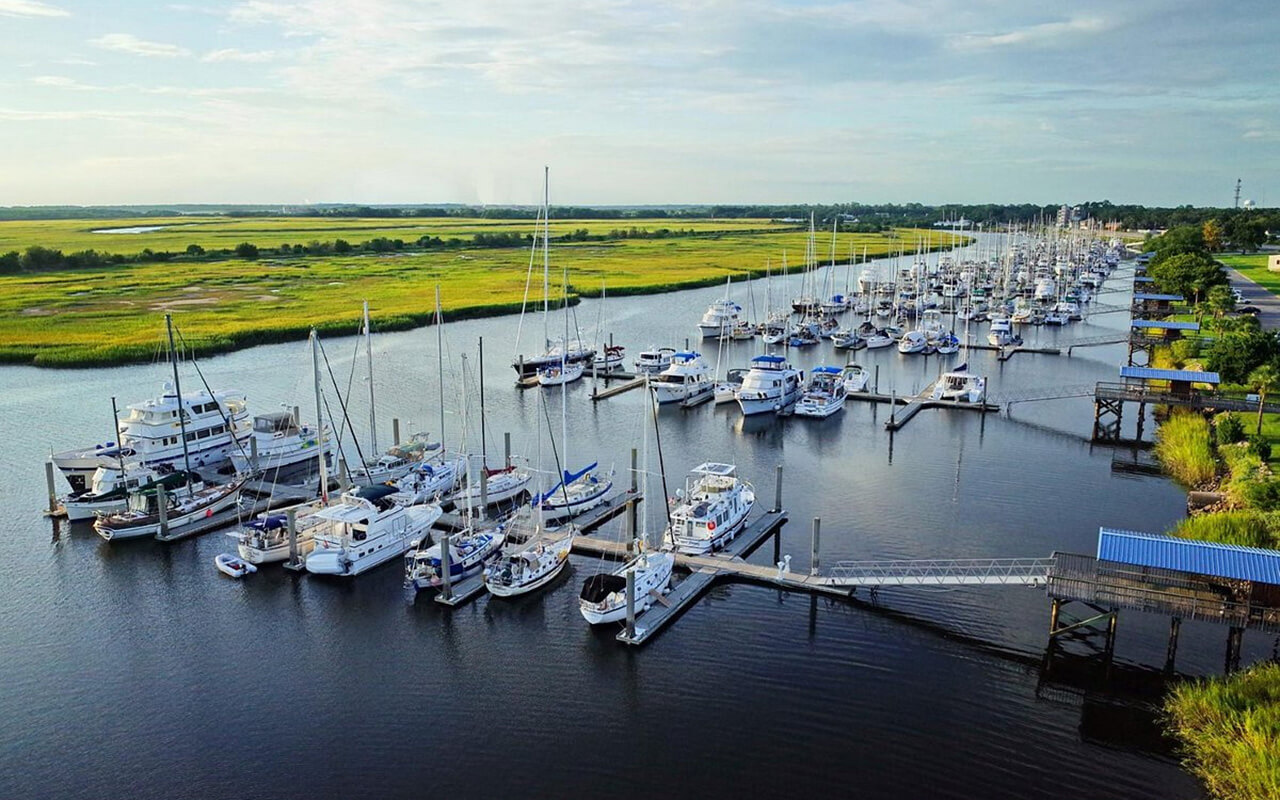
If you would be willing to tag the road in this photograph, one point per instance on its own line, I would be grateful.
(1255, 295)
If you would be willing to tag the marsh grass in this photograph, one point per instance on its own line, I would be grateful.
(1183, 448)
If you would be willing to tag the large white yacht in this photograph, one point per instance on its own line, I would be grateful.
(687, 380)
(366, 528)
(603, 598)
(712, 509)
(771, 385)
(281, 443)
(719, 318)
(151, 434)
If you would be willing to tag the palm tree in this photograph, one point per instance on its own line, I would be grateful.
(1265, 379)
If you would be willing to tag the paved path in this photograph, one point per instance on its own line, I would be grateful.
(1256, 295)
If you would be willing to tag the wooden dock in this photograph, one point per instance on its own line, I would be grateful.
(1009, 351)
(598, 394)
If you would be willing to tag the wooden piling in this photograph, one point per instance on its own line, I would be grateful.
(395, 431)
(291, 520)
(506, 449)
(1174, 624)
(813, 552)
(777, 489)
(631, 604)
(446, 583)
(162, 507)
(53, 492)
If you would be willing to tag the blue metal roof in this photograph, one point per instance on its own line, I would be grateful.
(1166, 325)
(1141, 296)
(1189, 555)
(1153, 374)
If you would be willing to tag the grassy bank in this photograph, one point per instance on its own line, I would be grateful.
(1182, 445)
(1230, 732)
(110, 315)
(1254, 267)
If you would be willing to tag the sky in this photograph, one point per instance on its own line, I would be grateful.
(1160, 102)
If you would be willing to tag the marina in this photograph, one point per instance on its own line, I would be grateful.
(846, 470)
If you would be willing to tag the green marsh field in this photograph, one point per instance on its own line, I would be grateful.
(111, 314)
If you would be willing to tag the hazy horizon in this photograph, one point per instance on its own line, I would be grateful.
(659, 103)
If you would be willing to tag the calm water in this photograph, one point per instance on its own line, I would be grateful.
(137, 670)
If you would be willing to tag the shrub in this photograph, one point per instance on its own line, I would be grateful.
(247, 250)
(1260, 447)
(1229, 428)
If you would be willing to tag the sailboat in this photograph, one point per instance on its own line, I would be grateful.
(603, 598)
(554, 353)
(188, 500)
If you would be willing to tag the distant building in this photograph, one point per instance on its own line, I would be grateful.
(1273, 263)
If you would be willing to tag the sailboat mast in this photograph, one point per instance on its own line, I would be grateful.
(546, 257)
(315, 370)
(177, 389)
(440, 362)
(115, 435)
(368, 352)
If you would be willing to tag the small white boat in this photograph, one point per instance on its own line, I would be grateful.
(878, 339)
(913, 342)
(823, 395)
(726, 391)
(1001, 333)
(603, 598)
(265, 538)
(229, 564)
(576, 493)
(848, 339)
(610, 359)
(855, 378)
(429, 480)
(711, 510)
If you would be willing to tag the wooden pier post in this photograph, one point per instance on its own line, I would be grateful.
(446, 580)
(635, 476)
(1174, 624)
(877, 386)
(253, 453)
(1235, 637)
(817, 538)
(777, 490)
(53, 492)
(1142, 418)
(297, 416)
(506, 449)
(893, 408)
(344, 480)
(484, 492)
(162, 508)
(633, 527)
(1055, 606)
(395, 431)
(631, 604)
(1111, 634)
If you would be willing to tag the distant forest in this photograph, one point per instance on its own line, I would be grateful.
(869, 216)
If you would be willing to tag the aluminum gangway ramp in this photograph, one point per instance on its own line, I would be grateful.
(940, 572)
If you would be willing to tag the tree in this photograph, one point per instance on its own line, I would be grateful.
(195, 250)
(1246, 232)
(1212, 233)
(247, 250)
(1189, 274)
(341, 246)
(1239, 347)
(1175, 241)
(1220, 300)
(1265, 379)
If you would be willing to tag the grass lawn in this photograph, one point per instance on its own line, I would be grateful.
(1254, 267)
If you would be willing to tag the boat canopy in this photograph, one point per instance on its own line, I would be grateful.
(687, 355)
(770, 361)
(714, 468)
(568, 478)
(825, 370)
(273, 522)
(598, 587)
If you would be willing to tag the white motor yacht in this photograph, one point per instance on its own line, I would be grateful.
(823, 394)
(280, 443)
(1001, 333)
(719, 318)
(603, 598)
(711, 510)
(365, 528)
(687, 380)
(771, 385)
(150, 434)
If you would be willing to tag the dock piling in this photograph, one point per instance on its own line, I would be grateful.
(817, 538)
(162, 507)
(631, 604)
(633, 527)
(506, 449)
(53, 493)
(297, 416)
(446, 585)
(291, 520)
(484, 492)
(877, 384)
(1174, 624)
(253, 453)
(777, 489)
(395, 431)
(635, 476)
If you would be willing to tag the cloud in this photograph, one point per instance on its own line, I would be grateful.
(30, 8)
(232, 54)
(1051, 33)
(59, 82)
(128, 43)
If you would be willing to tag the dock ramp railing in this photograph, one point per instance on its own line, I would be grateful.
(942, 572)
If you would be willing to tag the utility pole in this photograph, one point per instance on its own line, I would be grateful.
(1237, 192)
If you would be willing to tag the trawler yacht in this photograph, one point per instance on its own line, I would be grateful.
(711, 510)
